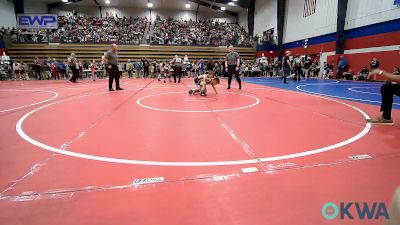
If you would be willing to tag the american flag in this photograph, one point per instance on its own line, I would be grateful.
(309, 7)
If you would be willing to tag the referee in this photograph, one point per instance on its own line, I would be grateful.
(72, 66)
(111, 62)
(232, 64)
(177, 63)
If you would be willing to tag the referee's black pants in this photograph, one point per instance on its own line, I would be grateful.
(232, 71)
(113, 73)
(75, 74)
(177, 72)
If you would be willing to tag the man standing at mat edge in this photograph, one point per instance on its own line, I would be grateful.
(177, 63)
(111, 62)
(232, 65)
(388, 90)
(72, 66)
(286, 66)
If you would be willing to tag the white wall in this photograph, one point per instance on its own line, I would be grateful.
(135, 12)
(265, 16)
(243, 20)
(91, 11)
(164, 13)
(7, 13)
(298, 27)
(365, 12)
(34, 6)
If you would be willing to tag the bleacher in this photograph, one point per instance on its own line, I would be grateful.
(84, 52)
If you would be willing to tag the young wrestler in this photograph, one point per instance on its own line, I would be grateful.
(167, 72)
(201, 83)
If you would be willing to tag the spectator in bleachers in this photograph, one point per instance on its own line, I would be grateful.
(76, 28)
(348, 75)
(363, 74)
(374, 64)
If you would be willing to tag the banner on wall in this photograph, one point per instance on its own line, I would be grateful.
(309, 7)
(397, 2)
(37, 21)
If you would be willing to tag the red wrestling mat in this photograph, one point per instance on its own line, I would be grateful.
(73, 154)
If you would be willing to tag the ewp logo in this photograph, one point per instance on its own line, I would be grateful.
(363, 210)
(38, 21)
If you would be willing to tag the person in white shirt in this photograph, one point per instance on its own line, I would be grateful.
(160, 71)
(264, 62)
(16, 68)
(129, 68)
(185, 59)
(298, 63)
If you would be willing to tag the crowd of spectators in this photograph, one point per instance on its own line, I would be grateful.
(76, 28)
(202, 32)
(301, 68)
(7, 31)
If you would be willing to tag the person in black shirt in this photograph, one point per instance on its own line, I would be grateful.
(177, 64)
(306, 67)
(286, 66)
(330, 67)
(374, 64)
(36, 66)
(363, 74)
(146, 66)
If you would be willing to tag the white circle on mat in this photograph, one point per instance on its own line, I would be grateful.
(55, 95)
(188, 164)
(139, 102)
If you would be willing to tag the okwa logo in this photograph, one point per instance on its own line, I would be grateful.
(355, 210)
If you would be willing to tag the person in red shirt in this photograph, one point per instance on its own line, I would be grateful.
(54, 72)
